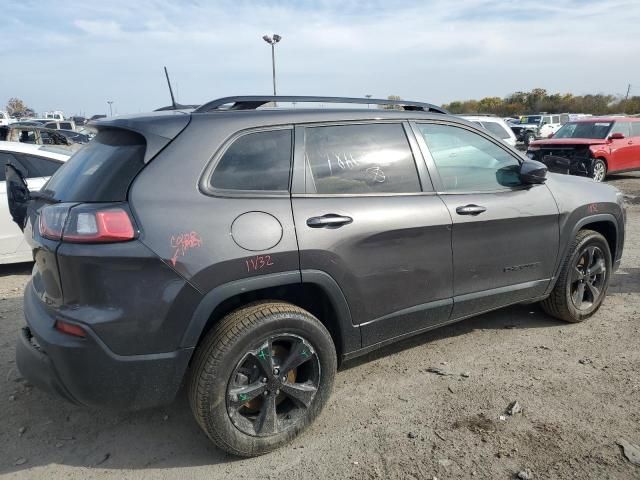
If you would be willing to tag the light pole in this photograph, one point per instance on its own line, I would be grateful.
(272, 41)
(110, 102)
(368, 95)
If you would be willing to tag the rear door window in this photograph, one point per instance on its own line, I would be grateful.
(360, 159)
(38, 166)
(496, 129)
(102, 170)
(259, 161)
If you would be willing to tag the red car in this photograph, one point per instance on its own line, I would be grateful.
(592, 147)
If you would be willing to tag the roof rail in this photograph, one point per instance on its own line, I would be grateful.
(253, 102)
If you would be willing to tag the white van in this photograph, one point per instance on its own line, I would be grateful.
(495, 125)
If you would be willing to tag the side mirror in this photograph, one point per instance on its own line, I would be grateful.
(533, 172)
(616, 136)
(551, 135)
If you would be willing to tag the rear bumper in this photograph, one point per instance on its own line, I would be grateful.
(85, 371)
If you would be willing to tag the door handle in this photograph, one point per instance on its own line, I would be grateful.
(471, 209)
(330, 220)
(630, 142)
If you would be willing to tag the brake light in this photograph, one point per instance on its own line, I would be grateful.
(70, 329)
(86, 224)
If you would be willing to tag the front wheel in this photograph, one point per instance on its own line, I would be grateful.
(261, 376)
(599, 170)
(583, 281)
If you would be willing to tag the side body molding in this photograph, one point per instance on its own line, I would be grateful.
(349, 334)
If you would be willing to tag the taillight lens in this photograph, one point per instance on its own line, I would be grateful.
(86, 224)
(52, 220)
(70, 329)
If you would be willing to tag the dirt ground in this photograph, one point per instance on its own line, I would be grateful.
(389, 417)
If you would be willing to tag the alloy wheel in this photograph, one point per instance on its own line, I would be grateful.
(273, 385)
(588, 278)
(598, 172)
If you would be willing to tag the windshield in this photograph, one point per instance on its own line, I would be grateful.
(584, 130)
(531, 119)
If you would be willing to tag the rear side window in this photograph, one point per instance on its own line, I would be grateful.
(259, 161)
(37, 166)
(360, 159)
(102, 170)
(65, 126)
(496, 129)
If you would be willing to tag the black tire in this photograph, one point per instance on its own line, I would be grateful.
(561, 303)
(599, 170)
(219, 361)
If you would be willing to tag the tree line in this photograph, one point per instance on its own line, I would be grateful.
(539, 100)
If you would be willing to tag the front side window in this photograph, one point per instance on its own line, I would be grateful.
(360, 159)
(468, 162)
(621, 127)
(259, 161)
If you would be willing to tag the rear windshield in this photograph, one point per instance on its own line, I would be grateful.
(101, 171)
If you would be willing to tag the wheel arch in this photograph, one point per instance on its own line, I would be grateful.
(603, 223)
(315, 291)
(608, 229)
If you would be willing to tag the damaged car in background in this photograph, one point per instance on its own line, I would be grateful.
(592, 147)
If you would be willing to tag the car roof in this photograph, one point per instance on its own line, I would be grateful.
(47, 151)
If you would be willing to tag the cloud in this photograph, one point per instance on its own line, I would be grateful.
(77, 55)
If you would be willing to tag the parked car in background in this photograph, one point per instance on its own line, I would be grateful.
(75, 137)
(38, 135)
(5, 119)
(245, 253)
(592, 147)
(532, 127)
(37, 163)
(495, 125)
(61, 125)
(78, 120)
(55, 115)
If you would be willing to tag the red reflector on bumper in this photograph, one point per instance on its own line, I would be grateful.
(70, 329)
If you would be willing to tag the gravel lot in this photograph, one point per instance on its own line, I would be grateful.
(389, 417)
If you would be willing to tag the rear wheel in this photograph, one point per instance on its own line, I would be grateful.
(599, 170)
(583, 281)
(261, 376)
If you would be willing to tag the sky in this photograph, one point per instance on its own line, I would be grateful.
(76, 55)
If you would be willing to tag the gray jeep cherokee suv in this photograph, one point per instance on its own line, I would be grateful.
(247, 251)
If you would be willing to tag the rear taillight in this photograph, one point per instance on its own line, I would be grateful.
(70, 329)
(86, 224)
